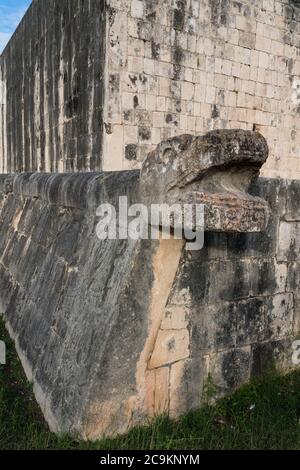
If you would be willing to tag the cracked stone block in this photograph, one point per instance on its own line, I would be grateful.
(176, 318)
(170, 346)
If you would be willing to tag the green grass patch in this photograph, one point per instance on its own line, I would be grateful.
(261, 415)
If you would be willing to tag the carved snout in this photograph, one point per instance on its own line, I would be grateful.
(215, 170)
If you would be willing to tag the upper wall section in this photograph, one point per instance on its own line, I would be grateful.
(53, 68)
(169, 67)
(178, 66)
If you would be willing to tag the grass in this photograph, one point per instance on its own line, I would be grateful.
(261, 415)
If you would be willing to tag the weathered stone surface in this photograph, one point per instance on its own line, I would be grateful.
(270, 356)
(292, 203)
(265, 242)
(288, 241)
(113, 332)
(230, 369)
(293, 285)
(171, 346)
(215, 170)
(280, 309)
(95, 85)
(57, 291)
(267, 277)
(53, 67)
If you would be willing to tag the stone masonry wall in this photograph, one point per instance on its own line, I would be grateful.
(191, 66)
(95, 85)
(114, 332)
(243, 296)
(53, 68)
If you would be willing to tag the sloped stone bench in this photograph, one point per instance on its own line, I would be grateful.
(113, 332)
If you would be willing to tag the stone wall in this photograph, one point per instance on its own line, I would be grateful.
(114, 332)
(191, 66)
(171, 67)
(53, 68)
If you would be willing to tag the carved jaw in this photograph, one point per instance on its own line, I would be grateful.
(229, 212)
(215, 170)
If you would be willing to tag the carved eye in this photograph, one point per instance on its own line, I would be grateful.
(167, 153)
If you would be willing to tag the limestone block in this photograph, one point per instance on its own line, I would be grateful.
(176, 317)
(271, 355)
(170, 346)
(267, 277)
(251, 321)
(288, 241)
(161, 404)
(230, 369)
(186, 385)
(137, 8)
(293, 208)
(280, 316)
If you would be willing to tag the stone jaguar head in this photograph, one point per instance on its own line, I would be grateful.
(215, 170)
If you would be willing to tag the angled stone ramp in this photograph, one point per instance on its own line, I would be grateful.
(113, 332)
